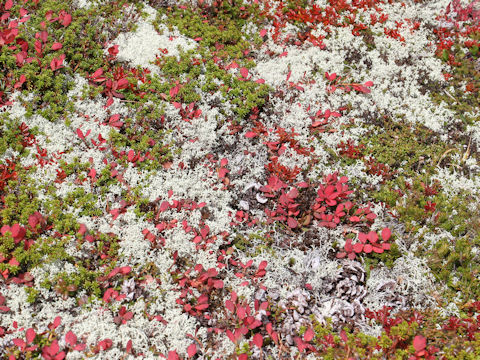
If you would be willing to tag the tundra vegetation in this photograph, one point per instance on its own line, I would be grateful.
(236, 179)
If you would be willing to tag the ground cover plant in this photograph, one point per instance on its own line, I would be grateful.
(239, 179)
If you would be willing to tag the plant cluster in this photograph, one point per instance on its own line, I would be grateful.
(44, 44)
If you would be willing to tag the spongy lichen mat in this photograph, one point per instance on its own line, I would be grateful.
(238, 179)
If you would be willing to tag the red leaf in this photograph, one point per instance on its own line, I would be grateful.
(174, 91)
(129, 347)
(54, 348)
(57, 322)
(222, 172)
(18, 232)
(114, 118)
(218, 284)
(365, 90)
(386, 246)
(302, 185)
(71, 338)
(386, 233)
(300, 344)
(8, 4)
(113, 50)
(358, 247)
(125, 270)
(258, 340)
(241, 313)
(368, 83)
(32, 221)
(67, 19)
(263, 32)
(122, 84)
(80, 134)
(56, 46)
(97, 73)
(250, 134)
(371, 216)
(330, 77)
(192, 350)
(30, 335)
(229, 305)
(368, 248)
(19, 342)
(224, 162)
(309, 334)
(105, 344)
(348, 245)
(318, 123)
(292, 223)
(113, 273)
(419, 342)
(131, 155)
(292, 194)
(13, 262)
(362, 237)
(15, 230)
(372, 236)
(80, 347)
(128, 315)
(92, 173)
(244, 72)
(172, 355)
(230, 336)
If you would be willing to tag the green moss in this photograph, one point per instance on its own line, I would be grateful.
(388, 258)
(411, 148)
(81, 43)
(223, 40)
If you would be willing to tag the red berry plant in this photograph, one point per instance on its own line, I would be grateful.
(330, 208)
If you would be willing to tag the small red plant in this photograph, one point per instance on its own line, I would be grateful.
(367, 243)
(53, 352)
(29, 337)
(123, 316)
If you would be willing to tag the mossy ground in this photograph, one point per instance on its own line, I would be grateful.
(409, 155)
